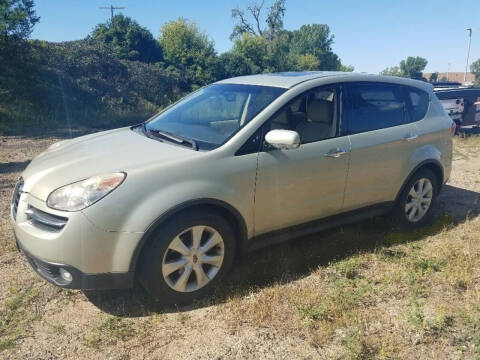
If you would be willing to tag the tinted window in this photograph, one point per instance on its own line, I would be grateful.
(375, 106)
(313, 115)
(419, 101)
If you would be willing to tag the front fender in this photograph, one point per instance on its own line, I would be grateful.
(148, 193)
(140, 214)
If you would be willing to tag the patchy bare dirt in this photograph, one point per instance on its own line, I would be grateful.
(360, 291)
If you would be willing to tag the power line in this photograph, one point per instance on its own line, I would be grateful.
(111, 8)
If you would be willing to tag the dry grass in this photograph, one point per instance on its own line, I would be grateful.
(465, 148)
(363, 291)
(422, 294)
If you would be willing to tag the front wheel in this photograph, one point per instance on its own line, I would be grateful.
(415, 204)
(186, 257)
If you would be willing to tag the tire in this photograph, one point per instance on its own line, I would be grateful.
(164, 253)
(403, 212)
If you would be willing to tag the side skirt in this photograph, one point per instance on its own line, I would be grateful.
(311, 227)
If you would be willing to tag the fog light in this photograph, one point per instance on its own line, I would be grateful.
(65, 275)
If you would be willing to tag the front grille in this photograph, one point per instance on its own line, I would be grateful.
(16, 197)
(45, 221)
(48, 271)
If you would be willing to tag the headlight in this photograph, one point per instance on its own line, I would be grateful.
(79, 195)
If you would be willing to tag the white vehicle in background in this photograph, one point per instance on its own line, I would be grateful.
(454, 108)
(462, 104)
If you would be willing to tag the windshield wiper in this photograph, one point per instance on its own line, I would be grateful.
(171, 137)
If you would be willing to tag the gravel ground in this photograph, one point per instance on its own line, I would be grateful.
(40, 321)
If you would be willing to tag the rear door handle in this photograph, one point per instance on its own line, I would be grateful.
(410, 137)
(335, 153)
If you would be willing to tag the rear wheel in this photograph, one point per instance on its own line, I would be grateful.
(415, 204)
(186, 257)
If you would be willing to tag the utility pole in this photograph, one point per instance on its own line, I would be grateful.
(468, 53)
(448, 71)
(111, 8)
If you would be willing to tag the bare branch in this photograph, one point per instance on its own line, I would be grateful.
(242, 26)
(274, 20)
(276, 12)
(256, 10)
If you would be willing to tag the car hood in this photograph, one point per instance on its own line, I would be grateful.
(117, 150)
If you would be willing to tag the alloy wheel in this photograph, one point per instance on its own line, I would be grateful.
(419, 199)
(193, 258)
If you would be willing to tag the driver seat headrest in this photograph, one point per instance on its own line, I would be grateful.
(320, 111)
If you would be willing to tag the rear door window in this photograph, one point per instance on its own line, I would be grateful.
(375, 106)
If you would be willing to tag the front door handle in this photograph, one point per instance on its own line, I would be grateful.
(410, 137)
(336, 153)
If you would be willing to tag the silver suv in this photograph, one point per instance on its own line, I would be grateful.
(232, 167)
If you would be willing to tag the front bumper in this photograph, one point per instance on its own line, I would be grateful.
(50, 239)
(51, 272)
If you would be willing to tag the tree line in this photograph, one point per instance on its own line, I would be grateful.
(120, 73)
(258, 46)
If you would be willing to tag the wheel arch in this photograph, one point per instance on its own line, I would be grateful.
(232, 215)
(431, 164)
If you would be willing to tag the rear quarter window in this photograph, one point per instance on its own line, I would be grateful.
(419, 101)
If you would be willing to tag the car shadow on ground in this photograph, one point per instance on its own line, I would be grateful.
(13, 166)
(298, 257)
(61, 133)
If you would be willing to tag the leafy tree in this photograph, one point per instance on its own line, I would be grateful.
(413, 67)
(253, 48)
(128, 39)
(443, 78)
(83, 83)
(275, 16)
(189, 50)
(315, 39)
(347, 68)
(434, 77)
(274, 20)
(391, 71)
(276, 49)
(17, 19)
(307, 62)
(253, 54)
(475, 69)
(312, 39)
(279, 56)
(231, 64)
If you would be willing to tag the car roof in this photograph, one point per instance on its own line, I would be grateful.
(280, 79)
(291, 79)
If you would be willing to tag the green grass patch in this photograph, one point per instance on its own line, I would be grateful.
(110, 331)
(311, 314)
(355, 345)
(348, 268)
(16, 315)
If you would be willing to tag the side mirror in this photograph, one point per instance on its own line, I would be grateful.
(283, 139)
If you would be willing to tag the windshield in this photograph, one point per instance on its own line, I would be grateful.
(210, 116)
